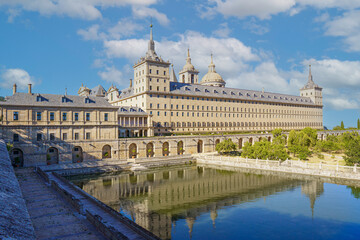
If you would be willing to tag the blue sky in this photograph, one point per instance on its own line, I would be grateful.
(58, 44)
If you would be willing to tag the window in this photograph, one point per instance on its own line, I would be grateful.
(38, 137)
(16, 116)
(157, 72)
(150, 72)
(64, 136)
(106, 117)
(16, 137)
(52, 116)
(52, 136)
(64, 116)
(87, 136)
(38, 116)
(76, 136)
(164, 72)
(76, 116)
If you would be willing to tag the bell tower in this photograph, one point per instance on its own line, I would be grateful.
(189, 74)
(312, 90)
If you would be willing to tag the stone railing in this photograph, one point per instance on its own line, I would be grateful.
(291, 166)
(15, 221)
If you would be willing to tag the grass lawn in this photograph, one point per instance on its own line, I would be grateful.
(332, 159)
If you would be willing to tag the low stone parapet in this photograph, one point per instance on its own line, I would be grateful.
(15, 221)
(288, 166)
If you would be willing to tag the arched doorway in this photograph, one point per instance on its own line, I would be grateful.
(106, 151)
(251, 141)
(150, 150)
(240, 143)
(200, 146)
(17, 157)
(52, 156)
(145, 133)
(77, 154)
(180, 148)
(165, 149)
(217, 141)
(132, 150)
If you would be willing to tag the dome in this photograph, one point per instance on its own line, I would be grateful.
(212, 78)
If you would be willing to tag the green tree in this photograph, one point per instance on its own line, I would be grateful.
(355, 191)
(342, 125)
(337, 128)
(226, 145)
(300, 142)
(265, 150)
(276, 132)
(352, 149)
(358, 123)
(278, 137)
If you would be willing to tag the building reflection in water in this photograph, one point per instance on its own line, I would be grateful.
(156, 199)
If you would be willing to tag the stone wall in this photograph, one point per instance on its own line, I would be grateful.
(288, 166)
(15, 221)
(128, 148)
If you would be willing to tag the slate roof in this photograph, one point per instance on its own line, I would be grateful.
(53, 100)
(131, 111)
(236, 94)
(98, 91)
(197, 90)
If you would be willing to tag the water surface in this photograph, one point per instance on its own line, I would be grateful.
(192, 202)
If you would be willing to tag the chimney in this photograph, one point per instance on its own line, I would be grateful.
(130, 82)
(29, 88)
(14, 88)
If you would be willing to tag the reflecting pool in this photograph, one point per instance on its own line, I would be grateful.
(193, 202)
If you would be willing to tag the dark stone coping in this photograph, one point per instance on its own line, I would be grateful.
(15, 220)
(108, 221)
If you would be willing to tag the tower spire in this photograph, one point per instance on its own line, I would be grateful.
(188, 59)
(310, 75)
(212, 65)
(151, 54)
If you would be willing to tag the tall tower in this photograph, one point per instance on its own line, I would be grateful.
(312, 90)
(189, 74)
(151, 73)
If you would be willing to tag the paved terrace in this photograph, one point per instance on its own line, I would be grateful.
(31, 208)
(51, 216)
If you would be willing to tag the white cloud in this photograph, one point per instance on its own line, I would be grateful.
(266, 76)
(144, 12)
(229, 53)
(84, 9)
(17, 76)
(256, 28)
(223, 31)
(112, 75)
(342, 103)
(91, 33)
(346, 26)
(264, 9)
(13, 13)
(124, 28)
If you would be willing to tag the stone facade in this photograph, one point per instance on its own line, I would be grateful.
(47, 128)
(189, 106)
